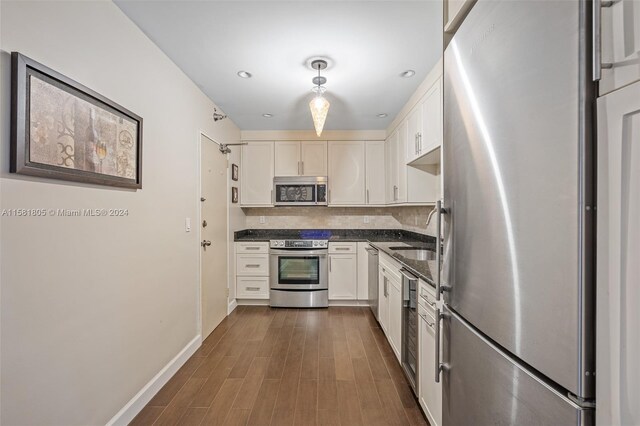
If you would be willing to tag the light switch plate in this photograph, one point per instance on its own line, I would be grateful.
(263, 219)
(187, 224)
(366, 219)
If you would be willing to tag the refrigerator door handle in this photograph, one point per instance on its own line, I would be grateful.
(439, 243)
(440, 366)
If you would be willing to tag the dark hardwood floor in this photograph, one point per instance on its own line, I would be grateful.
(264, 366)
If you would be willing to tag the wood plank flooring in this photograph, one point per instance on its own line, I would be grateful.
(264, 366)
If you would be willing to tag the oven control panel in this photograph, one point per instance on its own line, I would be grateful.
(299, 244)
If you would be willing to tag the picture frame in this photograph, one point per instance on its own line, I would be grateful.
(61, 129)
(234, 195)
(234, 172)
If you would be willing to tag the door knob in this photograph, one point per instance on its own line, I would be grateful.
(205, 244)
(202, 199)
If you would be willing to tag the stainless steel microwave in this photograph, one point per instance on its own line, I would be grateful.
(300, 191)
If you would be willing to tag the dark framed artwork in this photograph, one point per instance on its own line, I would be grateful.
(234, 194)
(61, 129)
(234, 172)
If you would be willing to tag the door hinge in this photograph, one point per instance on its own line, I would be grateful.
(227, 292)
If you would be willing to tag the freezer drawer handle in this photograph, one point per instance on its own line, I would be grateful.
(598, 65)
(439, 366)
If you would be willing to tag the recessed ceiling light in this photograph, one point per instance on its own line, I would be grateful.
(267, 115)
(382, 115)
(244, 74)
(408, 73)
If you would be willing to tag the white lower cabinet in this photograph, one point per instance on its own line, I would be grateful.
(395, 315)
(363, 271)
(252, 287)
(390, 302)
(429, 392)
(343, 271)
(252, 270)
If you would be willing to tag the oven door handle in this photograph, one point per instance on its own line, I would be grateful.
(299, 253)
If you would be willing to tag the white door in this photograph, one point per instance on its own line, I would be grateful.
(620, 44)
(213, 242)
(343, 277)
(287, 159)
(346, 173)
(313, 158)
(376, 179)
(618, 276)
(257, 174)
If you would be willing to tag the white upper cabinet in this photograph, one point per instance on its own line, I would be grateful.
(414, 128)
(425, 124)
(431, 134)
(313, 158)
(375, 172)
(287, 158)
(346, 173)
(306, 158)
(620, 44)
(257, 174)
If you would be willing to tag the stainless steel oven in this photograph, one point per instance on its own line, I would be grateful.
(300, 191)
(298, 273)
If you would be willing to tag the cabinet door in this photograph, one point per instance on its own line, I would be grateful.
(363, 271)
(313, 158)
(383, 300)
(257, 174)
(414, 123)
(618, 269)
(401, 164)
(431, 136)
(343, 277)
(430, 392)
(395, 315)
(287, 158)
(620, 44)
(375, 172)
(392, 168)
(346, 173)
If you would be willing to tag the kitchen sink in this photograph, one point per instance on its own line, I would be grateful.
(415, 253)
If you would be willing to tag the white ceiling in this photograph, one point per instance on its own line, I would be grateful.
(369, 44)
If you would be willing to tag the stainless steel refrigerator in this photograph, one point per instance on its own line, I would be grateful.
(518, 283)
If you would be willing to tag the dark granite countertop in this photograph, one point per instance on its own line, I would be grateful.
(421, 268)
(382, 239)
(351, 235)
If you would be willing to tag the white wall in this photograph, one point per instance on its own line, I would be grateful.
(237, 222)
(93, 308)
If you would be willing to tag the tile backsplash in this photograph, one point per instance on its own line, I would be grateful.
(408, 218)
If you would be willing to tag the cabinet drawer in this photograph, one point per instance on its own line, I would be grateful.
(256, 265)
(343, 248)
(252, 288)
(255, 247)
(427, 296)
(427, 316)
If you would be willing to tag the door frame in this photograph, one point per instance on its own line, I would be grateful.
(202, 133)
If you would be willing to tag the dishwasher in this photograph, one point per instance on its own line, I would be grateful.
(373, 280)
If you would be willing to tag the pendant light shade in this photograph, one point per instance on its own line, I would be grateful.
(319, 108)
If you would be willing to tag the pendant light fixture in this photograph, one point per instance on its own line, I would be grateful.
(319, 105)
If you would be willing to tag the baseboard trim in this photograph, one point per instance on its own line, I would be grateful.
(253, 302)
(232, 305)
(137, 403)
(348, 303)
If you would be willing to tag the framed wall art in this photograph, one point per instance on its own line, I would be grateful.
(61, 129)
(234, 172)
(234, 194)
